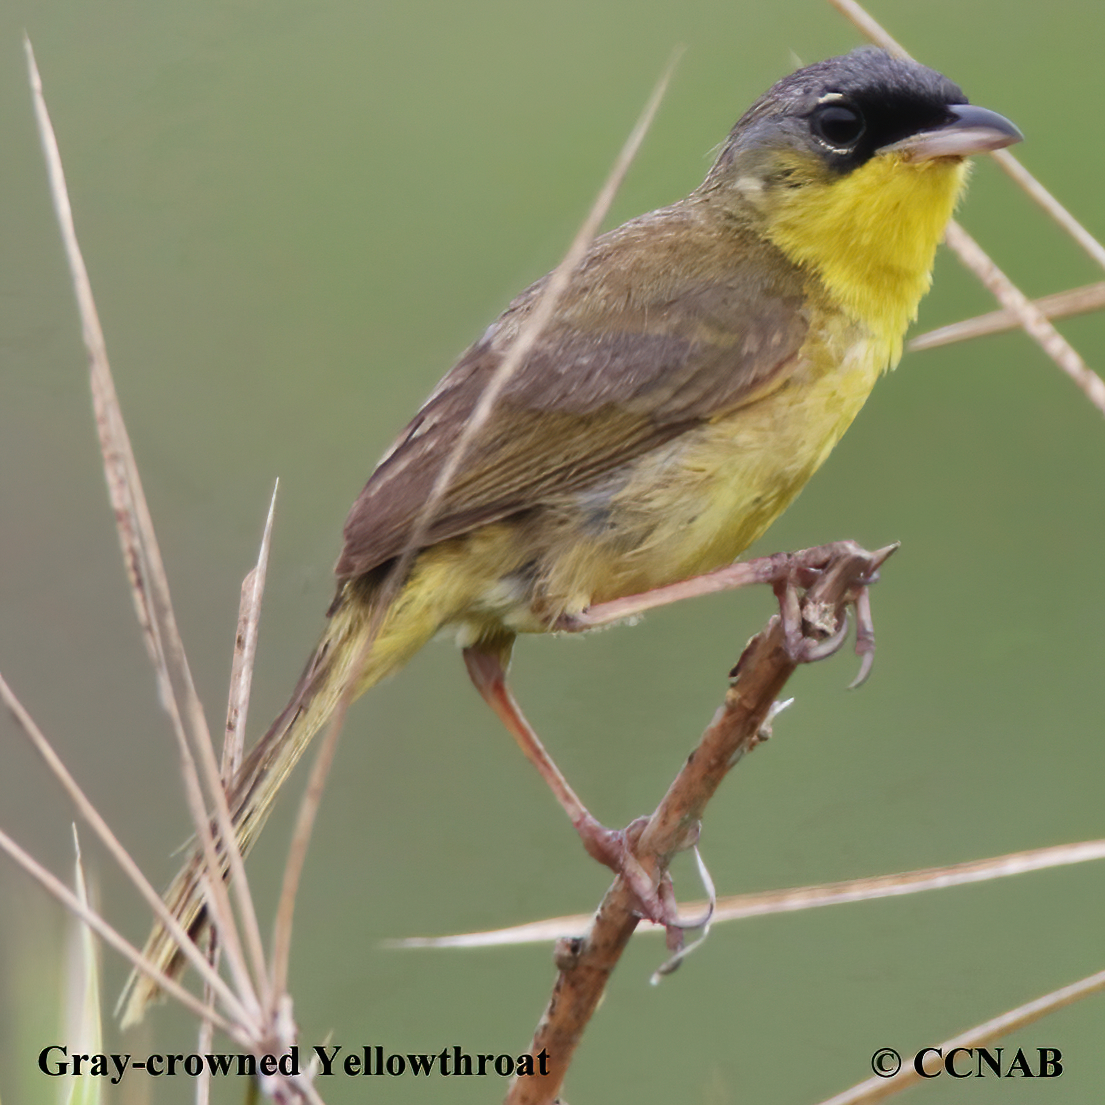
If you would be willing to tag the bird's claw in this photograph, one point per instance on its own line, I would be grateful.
(813, 631)
(865, 635)
(653, 901)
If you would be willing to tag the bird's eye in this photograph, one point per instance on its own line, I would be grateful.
(837, 125)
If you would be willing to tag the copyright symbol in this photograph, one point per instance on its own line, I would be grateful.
(886, 1062)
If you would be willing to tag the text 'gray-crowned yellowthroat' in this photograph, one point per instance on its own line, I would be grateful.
(702, 365)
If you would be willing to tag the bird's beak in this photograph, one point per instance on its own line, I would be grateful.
(969, 130)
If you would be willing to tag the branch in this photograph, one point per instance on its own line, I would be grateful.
(741, 723)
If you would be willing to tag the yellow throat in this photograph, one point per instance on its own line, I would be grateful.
(871, 235)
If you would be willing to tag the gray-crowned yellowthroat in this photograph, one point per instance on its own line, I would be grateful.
(702, 365)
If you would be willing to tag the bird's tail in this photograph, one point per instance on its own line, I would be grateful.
(410, 623)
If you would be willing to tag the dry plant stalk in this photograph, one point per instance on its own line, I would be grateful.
(740, 724)
(145, 568)
(78, 908)
(245, 652)
(878, 1089)
(1032, 320)
(1075, 301)
(237, 711)
(256, 1017)
(738, 907)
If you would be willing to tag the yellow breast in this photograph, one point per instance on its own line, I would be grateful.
(700, 502)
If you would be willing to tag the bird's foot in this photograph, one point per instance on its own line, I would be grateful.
(812, 632)
(614, 848)
(815, 630)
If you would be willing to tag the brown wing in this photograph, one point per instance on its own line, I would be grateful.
(669, 322)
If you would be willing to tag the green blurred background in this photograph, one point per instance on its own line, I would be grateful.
(295, 217)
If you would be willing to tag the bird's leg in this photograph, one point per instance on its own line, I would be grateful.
(486, 665)
(786, 572)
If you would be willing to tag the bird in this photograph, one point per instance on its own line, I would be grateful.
(701, 366)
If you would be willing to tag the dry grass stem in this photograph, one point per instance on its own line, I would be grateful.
(205, 1040)
(297, 850)
(741, 906)
(740, 724)
(245, 652)
(121, 856)
(877, 1089)
(737, 907)
(867, 24)
(83, 1022)
(1032, 320)
(73, 903)
(531, 330)
(1075, 301)
(241, 682)
(150, 590)
(1037, 192)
